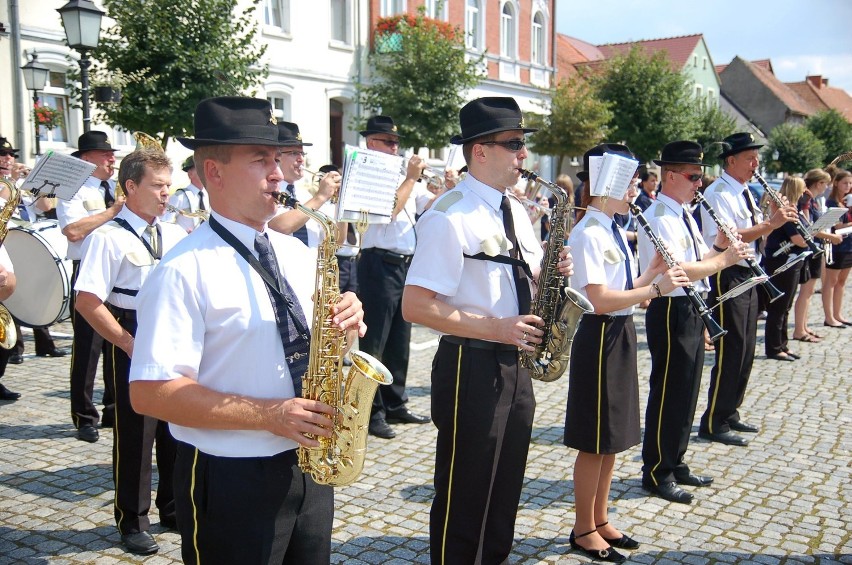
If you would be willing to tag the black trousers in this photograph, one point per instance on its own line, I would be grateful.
(85, 350)
(777, 313)
(255, 510)
(676, 341)
(734, 351)
(42, 338)
(134, 437)
(483, 406)
(388, 334)
(348, 270)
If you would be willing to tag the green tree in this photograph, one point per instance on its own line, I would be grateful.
(577, 120)
(177, 48)
(651, 102)
(834, 131)
(798, 149)
(419, 76)
(712, 125)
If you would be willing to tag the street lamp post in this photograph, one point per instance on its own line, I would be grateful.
(82, 22)
(35, 79)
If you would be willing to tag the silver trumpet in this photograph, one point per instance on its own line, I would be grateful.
(198, 214)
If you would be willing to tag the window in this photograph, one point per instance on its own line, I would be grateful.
(340, 21)
(508, 41)
(472, 24)
(699, 91)
(280, 106)
(695, 61)
(57, 102)
(391, 8)
(711, 97)
(122, 138)
(704, 60)
(55, 96)
(436, 9)
(537, 54)
(276, 13)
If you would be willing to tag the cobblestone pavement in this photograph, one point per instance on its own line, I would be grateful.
(783, 499)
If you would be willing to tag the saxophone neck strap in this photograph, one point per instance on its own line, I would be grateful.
(124, 223)
(506, 260)
(271, 282)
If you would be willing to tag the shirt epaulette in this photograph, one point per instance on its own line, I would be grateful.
(660, 211)
(448, 201)
(592, 222)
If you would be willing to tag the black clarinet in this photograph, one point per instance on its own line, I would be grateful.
(713, 328)
(800, 229)
(771, 289)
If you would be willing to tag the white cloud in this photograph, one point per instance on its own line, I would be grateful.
(836, 68)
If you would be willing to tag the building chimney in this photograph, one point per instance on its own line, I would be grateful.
(816, 81)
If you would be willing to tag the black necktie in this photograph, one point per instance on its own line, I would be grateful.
(694, 244)
(302, 232)
(521, 283)
(201, 205)
(753, 212)
(108, 198)
(620, 242)
(296, 348)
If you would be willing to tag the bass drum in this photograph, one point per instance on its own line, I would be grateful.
(43, 293)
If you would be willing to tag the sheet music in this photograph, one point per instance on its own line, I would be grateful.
(792, 260)
(57, 174)
(827, 220)
(370, 181)
(741, 288)
(612, 177)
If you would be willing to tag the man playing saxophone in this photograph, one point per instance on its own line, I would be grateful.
(221, 349)
(471, 281)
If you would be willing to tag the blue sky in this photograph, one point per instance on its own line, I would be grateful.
(801, 37)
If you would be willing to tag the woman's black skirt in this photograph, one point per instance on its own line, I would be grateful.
(602, 413)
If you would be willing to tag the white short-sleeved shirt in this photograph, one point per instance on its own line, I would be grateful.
(398, 236)
(186, 199)
(204, 313)
(113, 257)
(88, 201)
(316, 233)
(465, 221)
(597, 257)
(665, 216)
(725, 196)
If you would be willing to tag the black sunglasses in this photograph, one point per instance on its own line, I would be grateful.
(694, 177)
(511, 145)
(7, 153)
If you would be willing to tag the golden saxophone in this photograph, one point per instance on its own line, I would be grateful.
(560, 306)
(8, 333)
(339, 459)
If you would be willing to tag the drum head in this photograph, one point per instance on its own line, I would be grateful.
(42, 295)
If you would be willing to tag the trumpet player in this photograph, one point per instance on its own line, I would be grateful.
(294, 222)
(192, 198)
(675, 330)
(386, 252)
(731, 198)
(117, 259)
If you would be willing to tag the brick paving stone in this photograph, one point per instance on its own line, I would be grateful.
(784, 498)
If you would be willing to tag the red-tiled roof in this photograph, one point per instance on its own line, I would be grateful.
(720, 68)
(765, 64)
(679, 48)
(824, 97)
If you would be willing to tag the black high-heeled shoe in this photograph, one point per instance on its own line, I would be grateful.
(624, 542)
(609, 554)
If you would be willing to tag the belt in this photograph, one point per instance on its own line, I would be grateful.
(123, 313)
(341, 258)
(389, 256)
(478, 343)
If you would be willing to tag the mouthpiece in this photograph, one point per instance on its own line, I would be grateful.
(285, 199)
